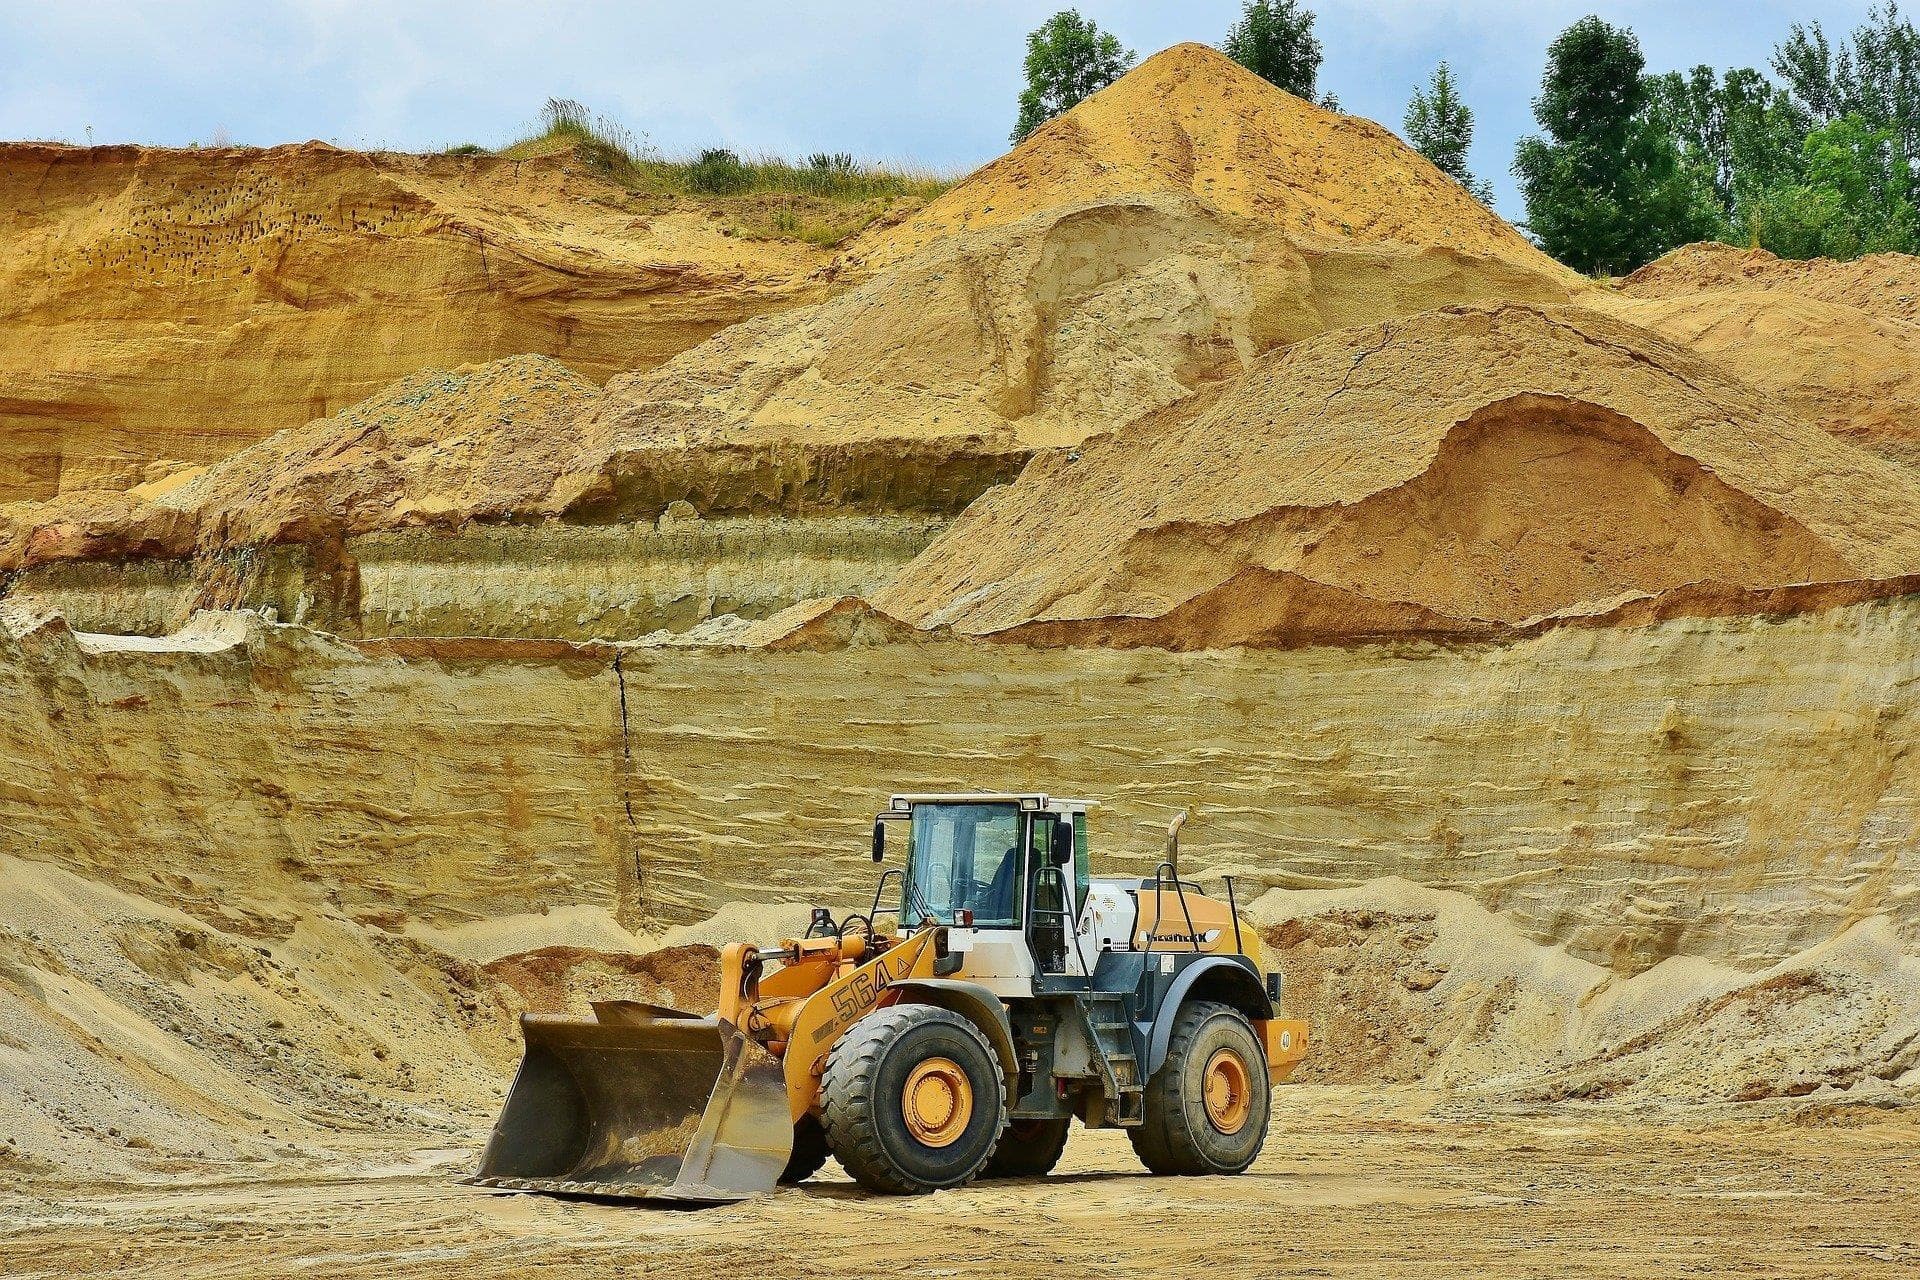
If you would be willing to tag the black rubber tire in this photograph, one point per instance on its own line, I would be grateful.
(809, 1151)
(1028, 1149)
(865, 1077)
(1177, 1139)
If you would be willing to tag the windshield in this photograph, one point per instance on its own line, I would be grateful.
(965, 856)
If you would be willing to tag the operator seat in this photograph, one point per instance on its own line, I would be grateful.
(997, 903)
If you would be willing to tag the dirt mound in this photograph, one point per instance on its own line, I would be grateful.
(1072, 306)
(1886, 286)
(315, 277)
(1191, 121)
(1116, 267)
(1834, 343)
(1403, 983)
(1460, 467)
(565, 979)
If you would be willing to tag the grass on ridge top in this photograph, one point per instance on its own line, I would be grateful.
(824, 199)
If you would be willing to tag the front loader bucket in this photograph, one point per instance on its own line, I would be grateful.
(641, 1103)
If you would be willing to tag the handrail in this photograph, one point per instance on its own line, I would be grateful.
(881, 888)
(1162, 874)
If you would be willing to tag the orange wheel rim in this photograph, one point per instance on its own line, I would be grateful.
(1227, 1088)
(937, 1102)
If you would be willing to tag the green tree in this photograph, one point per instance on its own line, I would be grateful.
(1805, 60)
(1852, 199)
(1274, 39)
(1068, 58)
(1440, 127)
(1874, 75)
(1738, 131)
(1606, 189)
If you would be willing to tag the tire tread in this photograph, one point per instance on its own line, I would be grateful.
(1013, 1158)
(847, 1086)
(1164, 1142)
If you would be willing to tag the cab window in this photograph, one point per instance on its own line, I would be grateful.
(965, 857)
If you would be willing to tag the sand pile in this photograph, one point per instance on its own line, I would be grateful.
(1885, 286)
(1114, 267)
(1459, 471)
(1836, 344)
(315, 277)
(1121, 264)
(141, 1041)
(1193, 122)
(1404, 983)
(1074, 286)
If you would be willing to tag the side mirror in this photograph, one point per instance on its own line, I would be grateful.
(879, 841)
(1061, 846)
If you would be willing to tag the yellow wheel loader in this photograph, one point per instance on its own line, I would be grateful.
(1017, 993)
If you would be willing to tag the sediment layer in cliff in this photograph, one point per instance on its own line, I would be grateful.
(316, 276)
(1579, 781)
(1464, 467)
(429, 509)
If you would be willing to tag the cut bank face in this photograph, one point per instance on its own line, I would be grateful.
(964, 857)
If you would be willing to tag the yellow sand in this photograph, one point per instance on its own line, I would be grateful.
(1464, 465)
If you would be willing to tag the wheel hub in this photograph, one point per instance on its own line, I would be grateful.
(937, 1102)
(1227, 1090)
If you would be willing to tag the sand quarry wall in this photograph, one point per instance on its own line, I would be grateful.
(570, 581)
(1735, 788)
(171, 306)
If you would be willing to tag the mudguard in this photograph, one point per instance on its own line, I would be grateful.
(1240, 987)
(979, 1006)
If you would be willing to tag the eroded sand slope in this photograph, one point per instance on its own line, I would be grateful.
(1461, 468)
(960, 347)
(160, 307)
(1632, 793)
(1832, 343)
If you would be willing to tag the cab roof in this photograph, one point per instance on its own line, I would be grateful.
(1025, 799)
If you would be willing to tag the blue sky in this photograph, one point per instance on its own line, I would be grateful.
(933, 82)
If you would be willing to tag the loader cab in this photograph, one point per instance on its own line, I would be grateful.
(1007, 873)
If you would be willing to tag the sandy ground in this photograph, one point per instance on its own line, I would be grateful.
(1353, 1183)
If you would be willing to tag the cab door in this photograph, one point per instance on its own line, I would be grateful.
(1052, 902)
